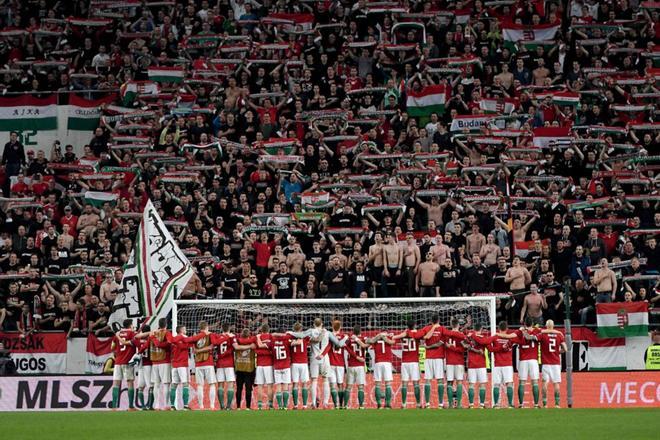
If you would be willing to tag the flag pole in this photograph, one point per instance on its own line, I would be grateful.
(569, 345)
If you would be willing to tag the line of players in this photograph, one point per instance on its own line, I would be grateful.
(292, 363)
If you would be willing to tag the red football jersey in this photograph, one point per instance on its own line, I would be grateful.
(410, 345)
(336, 354)
(383, 351)
(455, 351)
(528, 350)
(436, 336)
(180, 348)
(357, 351)
(281, 349)
(264, 355)
(299, 352)
(550, 348)
(143, 349)
(502, 349)
(224, 350)
(478, 342)
(124, 353)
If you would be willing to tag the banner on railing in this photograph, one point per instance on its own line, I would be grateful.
(39, 353)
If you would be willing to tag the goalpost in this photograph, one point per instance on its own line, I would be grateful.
(372, 315)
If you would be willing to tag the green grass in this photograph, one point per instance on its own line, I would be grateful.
(555, 424)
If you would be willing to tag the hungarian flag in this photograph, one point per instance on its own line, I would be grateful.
(98, 351)
(28, 113)
(130, 90)
(306, 21)
(312, 198)
(544, 136)
(616, 320)
(85, 114)
(430, 99)
(566, 98)
(469, 122)
(522, 248)
(513, 33)
(606, 354)
(98, 198)
(506, 106)
(166, 74)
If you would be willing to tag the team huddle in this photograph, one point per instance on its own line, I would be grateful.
(295, 363)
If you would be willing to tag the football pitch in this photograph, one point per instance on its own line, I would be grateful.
(473, 424)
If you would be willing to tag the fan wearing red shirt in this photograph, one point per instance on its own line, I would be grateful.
(552, 345)
(300, 368)
(455, 353)
(280, 347)
(477, 342)
(434, 367)
(356, 374)
(501, 346)
(225, 344)
(382, 345)
(410, 360)
(180, 346)
(124, 346)
(264, 375)
(528, 365)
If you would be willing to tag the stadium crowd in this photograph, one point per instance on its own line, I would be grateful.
(317, 149)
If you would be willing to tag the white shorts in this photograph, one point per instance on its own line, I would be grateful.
(161, 373)
(144, 376)
(410, 371)
(264, 376)
(383, 372)
(319, 368)
(123, 372)
(299, 373)
(282, 376)
(205, 374)
(502, 375)
(336, 374)
(356, 375)
(180, 375)
(477, 375)
(528, 369)
(552, 373)
(434, 369)
(455, 372)
(225, 374)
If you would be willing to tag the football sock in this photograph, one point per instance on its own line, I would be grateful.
(427, 393)
(294, 392)
(557, 398)
(115, 397)
(471, 395)
(278, 397)
(304, 396)
(379, 395)
(221, 396)
(285, 399)
(417, 394)
(200, 396)
(535, 392)
(131, 397)
(496, 395)
(173, 397)
(333, 393)
(326, 392)
(212, 395)
(186, 395)
(459, 394)
(482, 396)
(141, 398)
(521, 394)
(404, 395)
(441, 394)
(450, 395)
(259, 404)
(230, 397)
(388, 395)
(347, 396)
(361, 397)
(340, 395)
(150, 401)
(509, 394)
(315, 388)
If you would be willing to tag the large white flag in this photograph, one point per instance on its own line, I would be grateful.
(156, 273)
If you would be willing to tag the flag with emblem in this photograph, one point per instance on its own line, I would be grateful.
(616, 320)
(513, 33)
